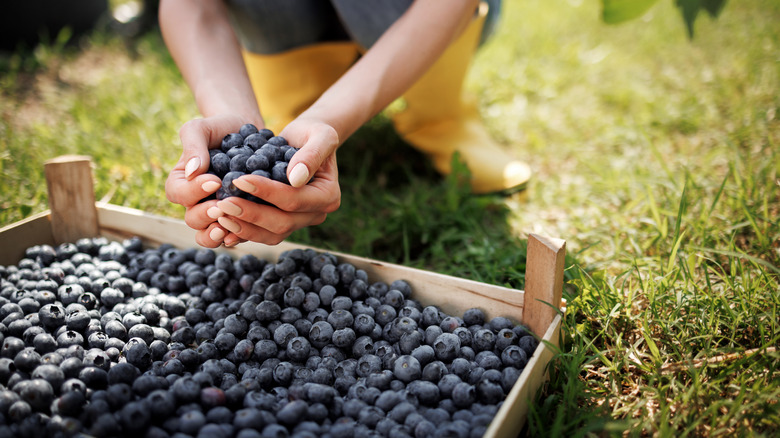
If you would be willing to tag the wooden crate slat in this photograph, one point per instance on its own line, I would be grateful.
(17, 237)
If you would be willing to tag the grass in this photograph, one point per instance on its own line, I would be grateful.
(656, 158)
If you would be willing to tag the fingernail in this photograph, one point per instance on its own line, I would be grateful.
(217, 234)
(229, 224)
(191, 167)
(229, 208)
(232, 244)
(299, 175)
(244, 185)
(210, 186)
(214, 212)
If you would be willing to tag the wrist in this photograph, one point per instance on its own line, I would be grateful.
(213, 100)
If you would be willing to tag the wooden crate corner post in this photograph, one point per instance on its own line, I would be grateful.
(543, 282)
(71, 198)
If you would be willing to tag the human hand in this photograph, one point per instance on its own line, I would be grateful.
(293, 206)
(188, 183)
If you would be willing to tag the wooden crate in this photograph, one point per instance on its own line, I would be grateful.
(74, 214)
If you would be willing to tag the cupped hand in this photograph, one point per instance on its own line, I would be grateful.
(188, 183)
(313, 194)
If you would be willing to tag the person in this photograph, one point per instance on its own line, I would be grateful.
(314, 72)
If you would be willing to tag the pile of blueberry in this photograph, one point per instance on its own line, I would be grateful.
(111, 338)
(249, 151)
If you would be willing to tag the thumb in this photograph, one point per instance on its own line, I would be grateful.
(198, 136)
(195, 139)
(309, 158)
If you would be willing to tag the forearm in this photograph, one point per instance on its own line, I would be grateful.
(204, 47)
(393, 64)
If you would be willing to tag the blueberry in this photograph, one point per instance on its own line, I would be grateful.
(446, 346)
(327, 293)
(275, 430)
(407, 368)
(514, 356)
(283, 373)
(368, 365)
(227, 184)
(248, 129)
(447, 384)
(409, 341)
(298, 348)
(267, 311)
(384, 314)
(344, 337)
(474, 316)
(27, 359)
(255, 140)
(401, 411)
(488, 360)
(329, 274)
(284, 333)
(52, 316)
(122, 372)
(137, 353)
(239, 163)
(231, 140)
(464, 395)
(192, 421)
(450, 323)
(69, 404)
(426, 392)
(289, 153)
(489, 392)
(257, 162)
(70, 337)
(484, 340)
(464, 335)
(528, 343)
(248, 418)
(393, 298)
(38, 393)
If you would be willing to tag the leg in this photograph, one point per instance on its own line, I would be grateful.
(440, 120)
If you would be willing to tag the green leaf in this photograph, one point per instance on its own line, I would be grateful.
(618, 11)
(713, 7)
(690, 10)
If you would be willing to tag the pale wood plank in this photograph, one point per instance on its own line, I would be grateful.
(543, 281)
(15, 238)
(71, 198)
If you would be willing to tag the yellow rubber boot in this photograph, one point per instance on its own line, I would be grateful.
(439, 120)
(287, 83)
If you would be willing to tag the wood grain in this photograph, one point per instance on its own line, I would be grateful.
(71, 198)
(543, 281)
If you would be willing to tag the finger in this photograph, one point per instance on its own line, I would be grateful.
(211, 237)
(311, 156)
(244, 218)
(198, 136)
(200, 216)
(322, 195)
(247, 231)
(232, 240)
(189, 193)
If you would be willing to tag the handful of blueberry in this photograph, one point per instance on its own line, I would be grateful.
(249, 151)
(114, 339)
